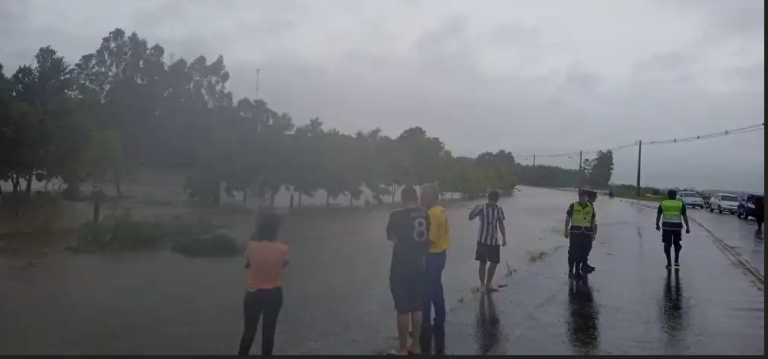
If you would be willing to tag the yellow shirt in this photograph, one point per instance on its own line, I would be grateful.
(439, 234)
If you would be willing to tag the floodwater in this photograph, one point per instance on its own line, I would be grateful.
(337, 300)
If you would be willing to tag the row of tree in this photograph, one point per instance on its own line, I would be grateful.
(123, 107)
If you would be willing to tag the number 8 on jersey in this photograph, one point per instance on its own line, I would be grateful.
(420, 230)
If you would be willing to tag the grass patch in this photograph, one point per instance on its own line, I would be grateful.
(534, 257)
(119, 233)
(216, 245)
(124, 233)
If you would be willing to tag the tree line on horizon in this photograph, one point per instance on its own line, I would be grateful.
(124, 107)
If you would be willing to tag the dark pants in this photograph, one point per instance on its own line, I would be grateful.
(577, 250)
(262, 301)
(672, 237)
(435, 263)
(488, 253)
(588, 250)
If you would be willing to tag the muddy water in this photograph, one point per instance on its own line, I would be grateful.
(337, 299)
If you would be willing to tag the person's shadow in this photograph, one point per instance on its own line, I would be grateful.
(672, 313)
(488, 326)
(583, 329)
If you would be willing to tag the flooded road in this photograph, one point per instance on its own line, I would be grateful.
(630, 305)
(337, 300)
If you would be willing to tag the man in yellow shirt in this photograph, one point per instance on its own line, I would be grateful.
(440, 240)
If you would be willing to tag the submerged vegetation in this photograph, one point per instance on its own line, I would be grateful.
(123, 232)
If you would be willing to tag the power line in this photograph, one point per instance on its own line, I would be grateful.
(748, 129)
(738, 131)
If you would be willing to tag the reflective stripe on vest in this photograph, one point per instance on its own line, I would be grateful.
(672, 212)
(581, 220)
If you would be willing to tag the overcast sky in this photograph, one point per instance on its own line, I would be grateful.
(544, 76)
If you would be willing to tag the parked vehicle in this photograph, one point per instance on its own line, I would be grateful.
(691, 199)
(724, 202)
(746, 207)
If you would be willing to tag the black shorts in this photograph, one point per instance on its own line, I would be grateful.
(488, 253)
(407, 287)
(671, 236)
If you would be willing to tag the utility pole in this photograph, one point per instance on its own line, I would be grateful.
(258, 76)
(581, 153)
(534, 160)
(639, 165)
(534, 170)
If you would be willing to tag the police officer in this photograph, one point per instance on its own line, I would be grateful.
(591, 197)
(672, 214)
(579, 229)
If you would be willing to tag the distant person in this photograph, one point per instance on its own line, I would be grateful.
(759, 213)
(672, 214)
(266, 261)
(591, 197)
(488, 243)
(440, 241)
(579, 229)
(408, 229)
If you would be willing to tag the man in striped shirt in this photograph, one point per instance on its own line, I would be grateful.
(488, 243)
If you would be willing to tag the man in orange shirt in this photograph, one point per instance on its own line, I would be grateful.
(266, 261)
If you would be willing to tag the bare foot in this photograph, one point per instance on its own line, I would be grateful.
(397, 352)
(491, 288)
(414, 349)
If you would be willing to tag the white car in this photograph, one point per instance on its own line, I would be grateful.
(724, 202)
(691, 199)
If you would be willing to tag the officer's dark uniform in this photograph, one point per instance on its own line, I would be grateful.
(581, 231)
(591, 197)
(672, 213)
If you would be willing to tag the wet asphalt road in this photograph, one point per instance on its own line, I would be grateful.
(736, 233)
(337, 300)
(630, 305)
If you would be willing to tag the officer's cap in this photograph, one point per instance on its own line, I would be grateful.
(587, 192)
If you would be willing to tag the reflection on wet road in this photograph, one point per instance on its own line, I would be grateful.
(337, 300)
(672, 311)
(583, 326)
(488, 326)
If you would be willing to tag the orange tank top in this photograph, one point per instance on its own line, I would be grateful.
(267, 263)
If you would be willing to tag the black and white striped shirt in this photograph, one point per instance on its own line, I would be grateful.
(490, 215)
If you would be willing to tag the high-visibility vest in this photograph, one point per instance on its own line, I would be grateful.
(672, 214)
(581, 220)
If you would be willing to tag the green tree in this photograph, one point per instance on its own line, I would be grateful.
(177, 113)
(306, 161)
(601, 169)
(99, 163)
